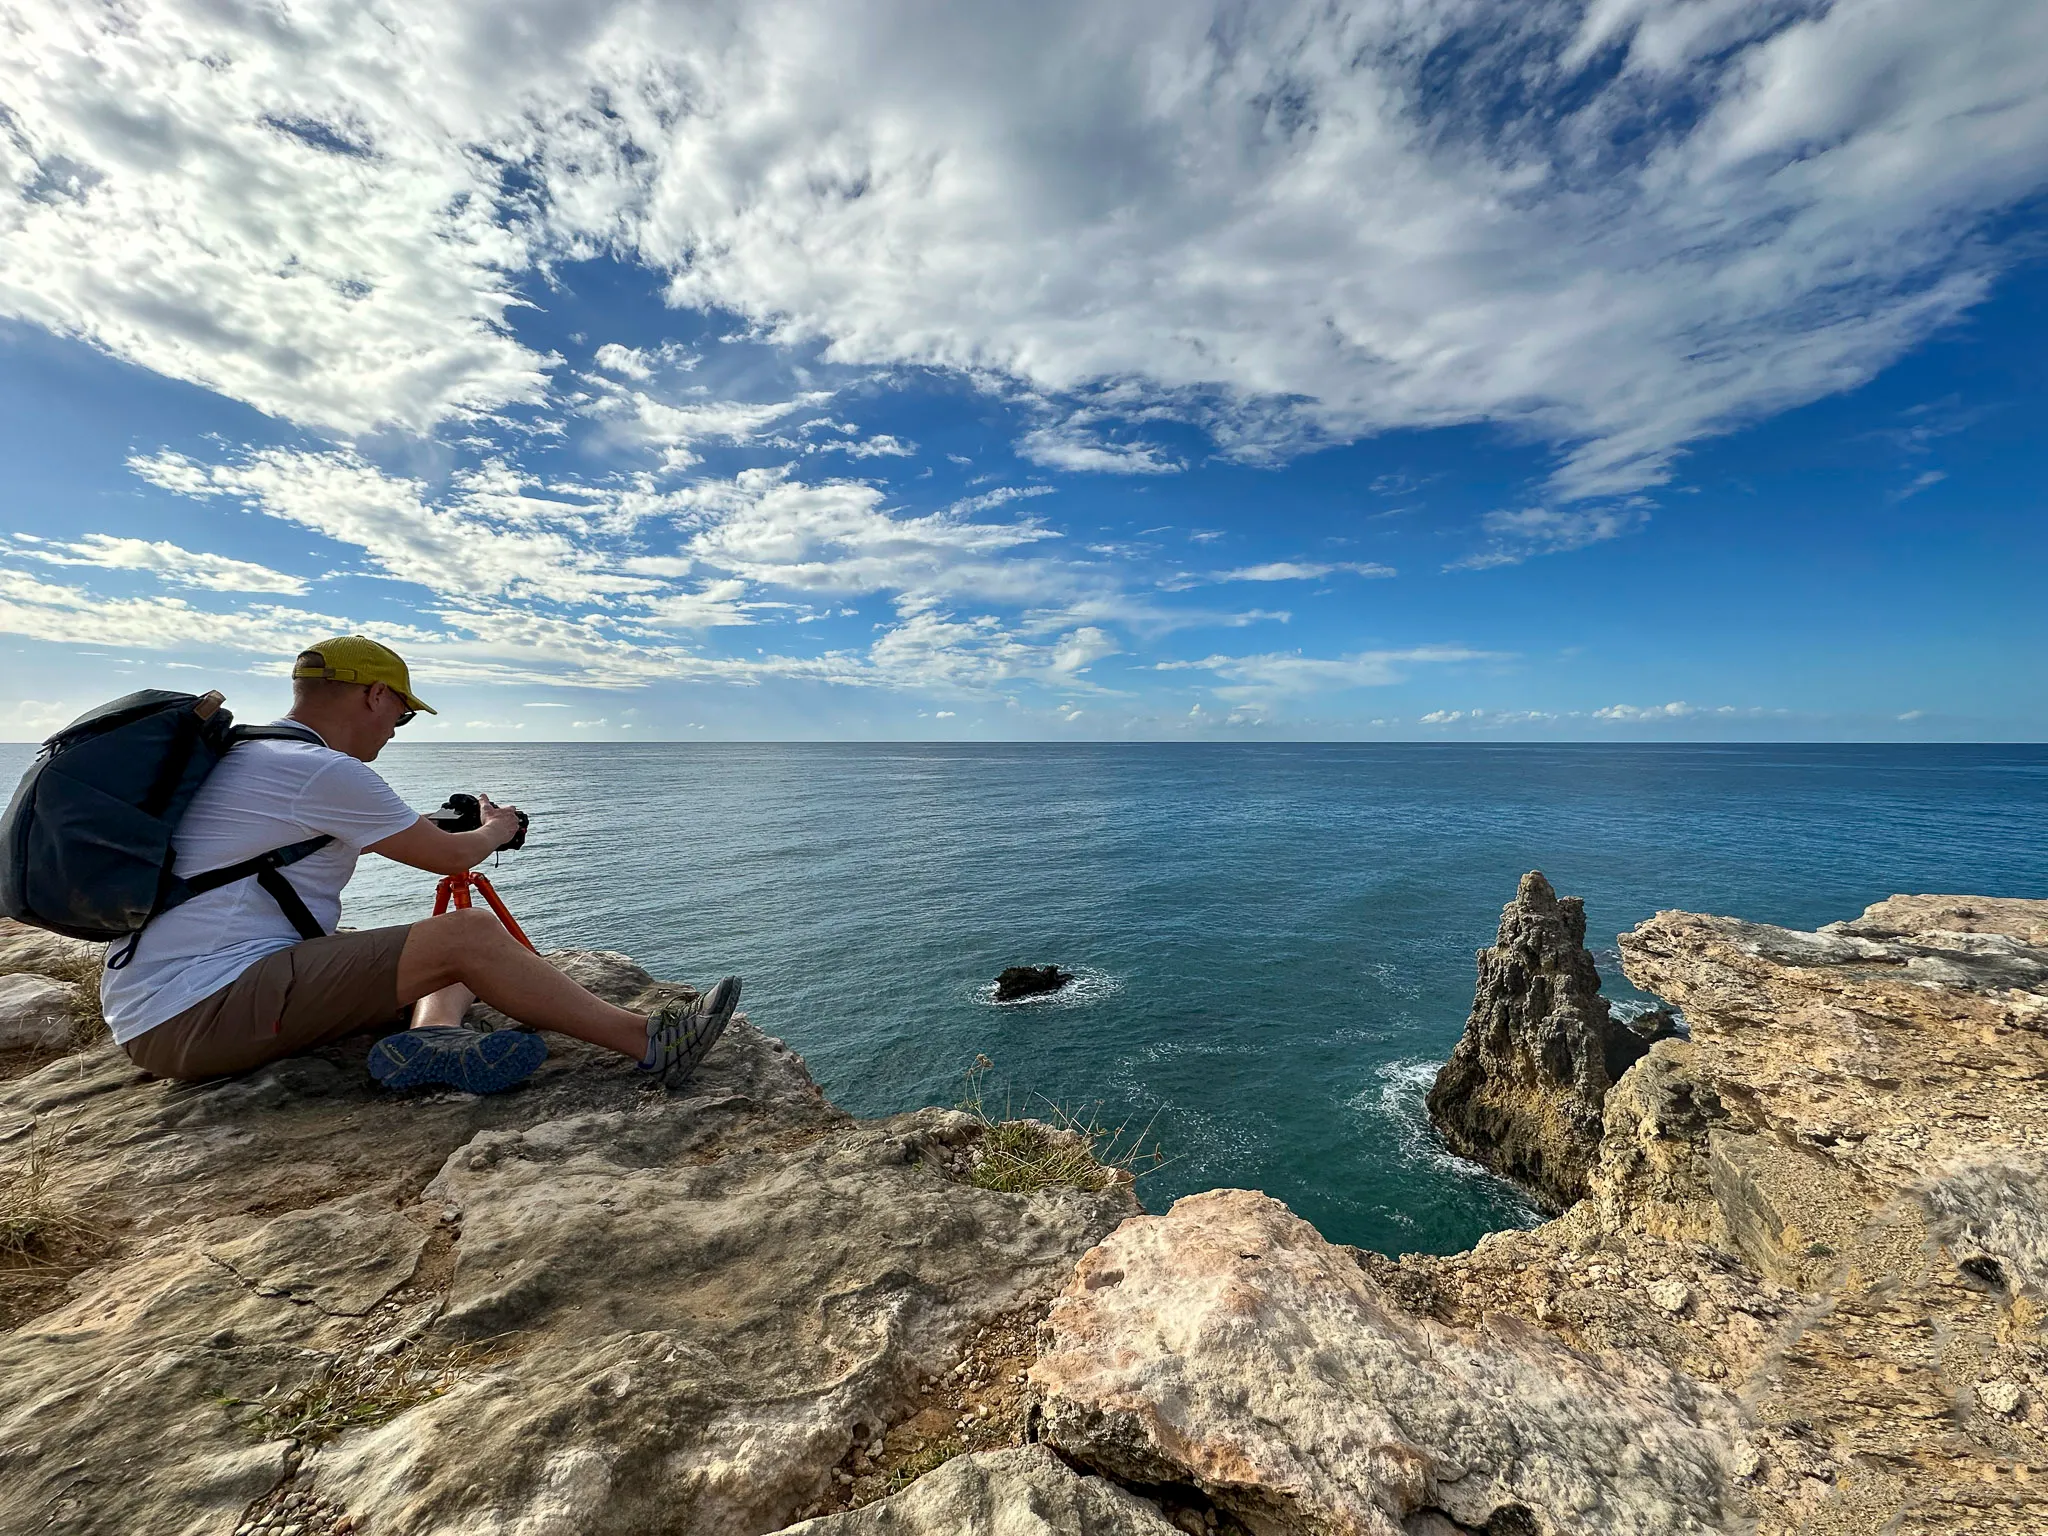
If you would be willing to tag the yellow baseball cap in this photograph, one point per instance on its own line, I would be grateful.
(359, 659)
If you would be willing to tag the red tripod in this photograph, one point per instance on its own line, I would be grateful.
(454, 891)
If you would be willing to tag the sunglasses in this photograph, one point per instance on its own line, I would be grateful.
(404, 719)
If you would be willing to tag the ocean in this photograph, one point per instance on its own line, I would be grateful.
(1274, 943)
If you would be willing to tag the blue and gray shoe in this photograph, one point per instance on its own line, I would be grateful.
(682, 1034)
(467, 1059)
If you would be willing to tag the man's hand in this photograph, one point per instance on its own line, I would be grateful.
(425, 846)
(500, 820)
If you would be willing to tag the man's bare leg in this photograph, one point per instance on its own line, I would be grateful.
(442, 1008)
(472, 948)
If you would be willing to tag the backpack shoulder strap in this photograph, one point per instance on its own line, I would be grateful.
(285, 731)
(265, 867)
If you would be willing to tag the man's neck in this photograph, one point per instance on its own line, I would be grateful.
(297, 719)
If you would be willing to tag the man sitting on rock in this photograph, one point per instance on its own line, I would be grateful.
(224, 982)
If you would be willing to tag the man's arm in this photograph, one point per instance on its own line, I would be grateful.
(425, 846)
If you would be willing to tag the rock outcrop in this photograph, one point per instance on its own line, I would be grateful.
(1022, 981)
(1524, 1089)
(1228, 1345)
(1027, 1491)
(581, 1307)
(37, 1013)
(1804, 1292)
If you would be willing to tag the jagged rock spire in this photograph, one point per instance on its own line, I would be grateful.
(1523, 1090)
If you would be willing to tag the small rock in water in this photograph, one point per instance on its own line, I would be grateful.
(1029, 981)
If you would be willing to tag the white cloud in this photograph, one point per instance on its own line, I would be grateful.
(166, 561)
(277, 207)
(1076, 652)
(1290, 672)
(640, 419)
(528, 583)
(628, 362)
(72, 615)
(1616, 228)
(881, 446)
(1678, 709)
(988, 501)
(1516, 536)
(460, 549)
(34, 719)
(1295, 570)
(715, 604)
(1919, 483)
(1078, 452)
(836, 536)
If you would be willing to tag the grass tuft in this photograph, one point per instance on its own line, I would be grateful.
(1064, 1150)
(354, 1392)
(928, 1458)
(38, 1225)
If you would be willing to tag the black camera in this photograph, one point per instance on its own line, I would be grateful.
(462, 813)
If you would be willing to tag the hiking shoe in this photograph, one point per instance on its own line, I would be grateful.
(682, 1034)
(462, 1058)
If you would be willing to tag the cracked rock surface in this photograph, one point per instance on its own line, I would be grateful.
(1027, 1491)
(1804, 1292)
(1227, 1344)
(1803, 1289)
(586, 1306)
(1832, 1202)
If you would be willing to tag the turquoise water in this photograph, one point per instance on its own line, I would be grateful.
(1275, 942)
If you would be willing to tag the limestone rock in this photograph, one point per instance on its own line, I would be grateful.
(1523, 1089)
(23, 948)
(1814, 1256)
(1652, 1175)
(1226, 1345)
(1023, 1492)
(1884, 1148)
(36, 1013)
(342, 1258)
(583, 1306)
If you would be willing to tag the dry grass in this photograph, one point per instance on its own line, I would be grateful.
(1055, 1149)
(88, 1025)
(354, 1392)
(928, 1458)
(39, 1226)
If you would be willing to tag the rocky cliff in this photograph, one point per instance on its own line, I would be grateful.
(293, 1302)
(1524, 1088)
(1803, 1291)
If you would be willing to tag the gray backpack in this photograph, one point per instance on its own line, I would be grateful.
(85, 847)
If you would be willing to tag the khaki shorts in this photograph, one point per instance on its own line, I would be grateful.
(284, 1004)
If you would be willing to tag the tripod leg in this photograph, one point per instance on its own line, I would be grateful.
(504, 915)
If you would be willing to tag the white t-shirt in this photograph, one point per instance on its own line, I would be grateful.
(263, 795)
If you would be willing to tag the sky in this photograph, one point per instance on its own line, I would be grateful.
(813, 369)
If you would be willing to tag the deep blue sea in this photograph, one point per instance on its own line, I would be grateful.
(1275, 943)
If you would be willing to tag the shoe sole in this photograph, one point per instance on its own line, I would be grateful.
(406, 1061)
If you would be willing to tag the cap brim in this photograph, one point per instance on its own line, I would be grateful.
(417, 703)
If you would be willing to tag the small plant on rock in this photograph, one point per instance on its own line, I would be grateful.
(39, 1225)
(926, 1458)
(353, 1392)
(1065, 1150)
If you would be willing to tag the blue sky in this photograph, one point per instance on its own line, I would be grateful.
(1642, 369)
